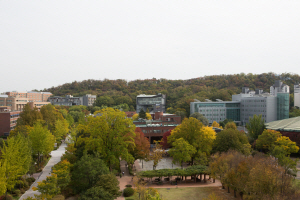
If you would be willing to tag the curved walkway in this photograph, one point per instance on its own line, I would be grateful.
(56, 155)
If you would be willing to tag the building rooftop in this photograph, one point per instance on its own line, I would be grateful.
(291, 124)
(4, 95)
(144, 95)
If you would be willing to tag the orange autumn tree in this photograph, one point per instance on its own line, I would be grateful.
(142, 145)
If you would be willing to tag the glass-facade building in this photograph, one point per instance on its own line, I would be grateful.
(283, 101)
(217, 111)
(154, 103)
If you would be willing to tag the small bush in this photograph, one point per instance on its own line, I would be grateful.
(58, 197)
(30, 180)
(22, 191)
(128, 185)
(17, 192)
(128, 192)
(7, 197)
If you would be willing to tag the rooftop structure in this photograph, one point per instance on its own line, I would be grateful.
(31, 95)
(154, 103)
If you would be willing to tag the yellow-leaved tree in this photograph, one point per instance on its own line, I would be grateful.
(197, 135)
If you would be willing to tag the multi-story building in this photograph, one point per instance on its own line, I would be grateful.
(274, 106)
(297, 95)
(18, 103)
(88, 100)
(217, 111)
(161, 123)
(8, 120)
(69, 100)
(31, 95)
(154, 103)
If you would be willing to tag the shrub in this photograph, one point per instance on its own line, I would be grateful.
(128, 185)
(17, 192)
(7, 197)
(128, 192)
(30, 180)
(58, 197)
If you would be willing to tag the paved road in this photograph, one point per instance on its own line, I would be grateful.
(56, 155)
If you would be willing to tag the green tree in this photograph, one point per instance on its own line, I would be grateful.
(295, 112)
(267, 139)
(110, 184)
(231, 125)
(3, 178)
(86, 172)
(96, 193)
(62, 170)
(193, 132)
(50, 115)
(109, 134)
(231, 139)
(181, 151)
(142, 114)
(104, 101)
(15, 159)
(29, 116)
(156, 155)
(61, 129)
(42, 141)
(48, 188)
(200, 117)
(255, 126)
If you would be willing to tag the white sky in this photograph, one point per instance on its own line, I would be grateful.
(48, 43)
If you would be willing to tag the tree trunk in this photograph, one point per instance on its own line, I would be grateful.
(214, 180)
(234, 191)
(228, 189)
(204, 178)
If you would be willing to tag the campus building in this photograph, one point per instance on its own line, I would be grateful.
(154, 103)
(273, 106)
(69, 100)
(8, 120)
(31, 95)
(17, 103)
(297, 95)
(161, 123)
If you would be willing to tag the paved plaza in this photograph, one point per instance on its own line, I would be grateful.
(165, 163)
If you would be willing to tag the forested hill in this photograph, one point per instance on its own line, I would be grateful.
(179, 92)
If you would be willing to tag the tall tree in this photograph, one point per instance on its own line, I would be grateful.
(42, 141)
(109, 134)
(255, 126)
(29, 116)
(231, 139)
(142, 114)
(86, 172)
(61, 129)
(200, 117)
(15, 159)
(181, 151)
(192, 131)
(141, 149)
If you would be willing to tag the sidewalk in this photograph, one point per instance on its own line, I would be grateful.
(56, 155)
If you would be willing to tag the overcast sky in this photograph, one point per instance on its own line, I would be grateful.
(49, 43)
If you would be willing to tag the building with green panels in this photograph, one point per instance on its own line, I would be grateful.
(283, 101)
(244, 106)
(217, 111)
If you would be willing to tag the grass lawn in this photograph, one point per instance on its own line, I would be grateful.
(190, 193)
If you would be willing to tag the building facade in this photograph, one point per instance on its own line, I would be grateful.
(8, 120)
(31, 95)
(154, 103)
(271, 107)
(69, 100)
(217, 111)
(297, 95)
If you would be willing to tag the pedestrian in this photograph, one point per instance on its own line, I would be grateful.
(123, 173)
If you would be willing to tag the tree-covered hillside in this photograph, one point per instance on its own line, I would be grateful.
(179, 92)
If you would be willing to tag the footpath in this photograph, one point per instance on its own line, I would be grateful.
(55, 158)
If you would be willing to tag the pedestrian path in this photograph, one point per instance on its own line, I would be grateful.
(56, 156)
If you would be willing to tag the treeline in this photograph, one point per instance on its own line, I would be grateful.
(179, 92)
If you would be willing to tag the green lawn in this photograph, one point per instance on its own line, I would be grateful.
(190, 193)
